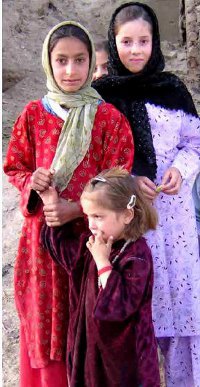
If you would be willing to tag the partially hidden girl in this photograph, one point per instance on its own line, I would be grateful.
(111, 339)
(166, 130)
(63, 139)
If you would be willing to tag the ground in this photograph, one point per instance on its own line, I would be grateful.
(23, 80)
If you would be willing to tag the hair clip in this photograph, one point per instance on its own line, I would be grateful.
(97, 179)
(131, 202)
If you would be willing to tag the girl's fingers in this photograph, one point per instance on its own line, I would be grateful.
(51, 208)
(40, 184)
(91, 239)
(89, 245)
(171, 177)
(99, 237)
(172, 184)
(52, 219)
(41, 179)
(173, 189)
(109, 242)
(50, 196)
(53, 224)
(40, 187)
(90, 242)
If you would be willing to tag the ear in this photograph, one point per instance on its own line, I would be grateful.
(128, 215)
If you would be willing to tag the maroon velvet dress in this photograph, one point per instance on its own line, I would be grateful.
(111, 340)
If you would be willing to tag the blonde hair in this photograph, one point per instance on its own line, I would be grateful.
(117, 187)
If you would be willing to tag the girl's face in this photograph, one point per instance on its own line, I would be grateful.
(100, 218)
(134, 44)
(70, 63)
(101, 64)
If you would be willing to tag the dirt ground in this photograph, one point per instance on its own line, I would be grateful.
(23, 80)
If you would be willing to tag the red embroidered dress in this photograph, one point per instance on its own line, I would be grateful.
(41, 287)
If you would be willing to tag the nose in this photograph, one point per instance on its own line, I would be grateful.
(92, 224)
(97, 74)
(134, 48)
(70, 68)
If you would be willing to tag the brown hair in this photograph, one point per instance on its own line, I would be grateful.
(69, 31)
(101, 46)
(117, 187)
(130, 13)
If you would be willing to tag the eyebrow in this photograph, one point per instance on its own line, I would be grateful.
(75, 56)
(141, 36)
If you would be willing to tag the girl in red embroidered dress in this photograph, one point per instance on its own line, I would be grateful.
(63, 139)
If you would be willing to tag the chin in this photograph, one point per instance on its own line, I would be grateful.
(70, 89)
(136, 70)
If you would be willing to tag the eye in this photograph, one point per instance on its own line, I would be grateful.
(144, 41)
(80, 60)
(126, 42)
(62, 61)
(98, 217)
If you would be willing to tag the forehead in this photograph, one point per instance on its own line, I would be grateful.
(70, 46)
(93, 200)
(137, 27)
(101, 57)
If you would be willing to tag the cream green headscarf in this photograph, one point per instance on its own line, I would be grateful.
(75, 136)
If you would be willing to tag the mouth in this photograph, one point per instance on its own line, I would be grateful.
(70, 81)
(136, 60)
(93, 233)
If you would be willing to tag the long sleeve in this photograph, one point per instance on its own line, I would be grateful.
(187, 159)
(20, 162)
(125, 290)
(64, 247)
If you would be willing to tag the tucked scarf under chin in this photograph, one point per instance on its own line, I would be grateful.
(130, 92)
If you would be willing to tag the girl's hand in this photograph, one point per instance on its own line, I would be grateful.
(147, 187)
(41, 179)
(171, 182)
(100, 249)
(49, 196)
(60, 211)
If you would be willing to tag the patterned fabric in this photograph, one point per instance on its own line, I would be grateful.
(41, 287)
(54, 374)
(75, 136)
(110, 338)
(183, 359)
(176, 297)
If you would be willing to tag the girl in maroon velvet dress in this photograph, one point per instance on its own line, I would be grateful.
(72, 131)
(111, 340)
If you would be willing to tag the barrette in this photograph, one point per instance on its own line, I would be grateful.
(97, 179)
(131, 202)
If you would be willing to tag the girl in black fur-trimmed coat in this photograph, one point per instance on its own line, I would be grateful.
(166, 131)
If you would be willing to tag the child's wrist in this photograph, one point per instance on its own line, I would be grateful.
(103, 263)
(104, 269)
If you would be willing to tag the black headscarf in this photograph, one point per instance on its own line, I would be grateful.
(130, 92)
